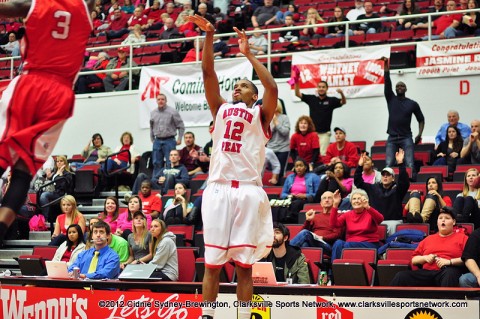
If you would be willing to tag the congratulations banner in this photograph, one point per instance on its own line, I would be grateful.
(448, 58)
(183, 86)
(357, 71)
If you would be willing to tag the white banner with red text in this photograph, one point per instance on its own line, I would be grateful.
(183, 86)
(359, 72)
(448, 58)
(51, 303)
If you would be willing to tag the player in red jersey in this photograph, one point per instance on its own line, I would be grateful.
(237, 219)
(36, 104)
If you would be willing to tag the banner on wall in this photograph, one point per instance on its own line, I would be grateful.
(357, 71)
(448, 58)
(18, 302)
(183, 86)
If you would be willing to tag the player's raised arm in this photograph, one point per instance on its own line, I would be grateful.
(15, 8)
(270, 95)
(210, 80)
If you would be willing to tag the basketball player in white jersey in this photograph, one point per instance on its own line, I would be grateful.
(236, 212)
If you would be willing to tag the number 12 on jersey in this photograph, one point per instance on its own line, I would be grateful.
(233, 131)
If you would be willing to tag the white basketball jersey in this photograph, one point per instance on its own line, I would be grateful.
(238, 151)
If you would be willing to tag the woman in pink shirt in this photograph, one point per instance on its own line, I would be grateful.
(125, 220)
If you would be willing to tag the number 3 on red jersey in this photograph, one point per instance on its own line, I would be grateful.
(63, 24)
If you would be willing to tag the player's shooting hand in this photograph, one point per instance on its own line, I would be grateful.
(201, 22)
(242, 41)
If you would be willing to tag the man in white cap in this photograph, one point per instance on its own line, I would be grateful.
(386, 196)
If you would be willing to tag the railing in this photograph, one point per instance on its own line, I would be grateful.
(268, 31)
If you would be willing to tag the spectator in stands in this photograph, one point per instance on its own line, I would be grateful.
(292, 11)
(84, 81)
(359, 9)
(337, 30)
(289, 35)
(189, 154)
(304, 142)
(313, 18)
(448, 151)
(110, 213)
(113, 6)
(68, 251)
(471, 258)
(12, 25)
(258, 43)
(463, 5)
(204, 154)
(321, 108)
(400, 111)
(124, 223)
(128, 7)
(467, 203)
(471, 20)
(153, 14)
(433, 201)
(453, 120)
(360, 223)
(108, 264)
(176, 209)
(169, 30)
(387, 196)
(120, 246)
(191, 55)
(118, 80)
(300, 188)
(63, 178)
(138, 18)
(139, 242)
(120, 161)
(370, 174)
(151, 202)
(220, 48)
(164, 251)
(367, 27)
(408, 8)
(288, 260)
(70, 215)
(271, 161)
(317, 231)
(94, 153)
(167, 177)
(341, 150)
(118, 23)
(447, 25)
(12, 48)
(97, 20)
(170, 9)
(337, 178)
(438, 6)
(135, 36)
(439, 255)
(265, 15)
(470, 153)
(187, 11)
(279, 143)
(164, 123)
(202, 10)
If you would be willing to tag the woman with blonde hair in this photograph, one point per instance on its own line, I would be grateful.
(70, 216)
(139, 241)
(467, 203)
(164, 251)
(313, 17)
(62, 176)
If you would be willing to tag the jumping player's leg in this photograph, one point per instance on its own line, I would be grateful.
(210, 286)
(244, 290)
(14, 198)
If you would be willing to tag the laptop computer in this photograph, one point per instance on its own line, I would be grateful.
(138, 272)
(264, 274)
(31, 267)
(57, 270)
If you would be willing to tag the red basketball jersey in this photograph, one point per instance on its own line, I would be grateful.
(56, 37)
